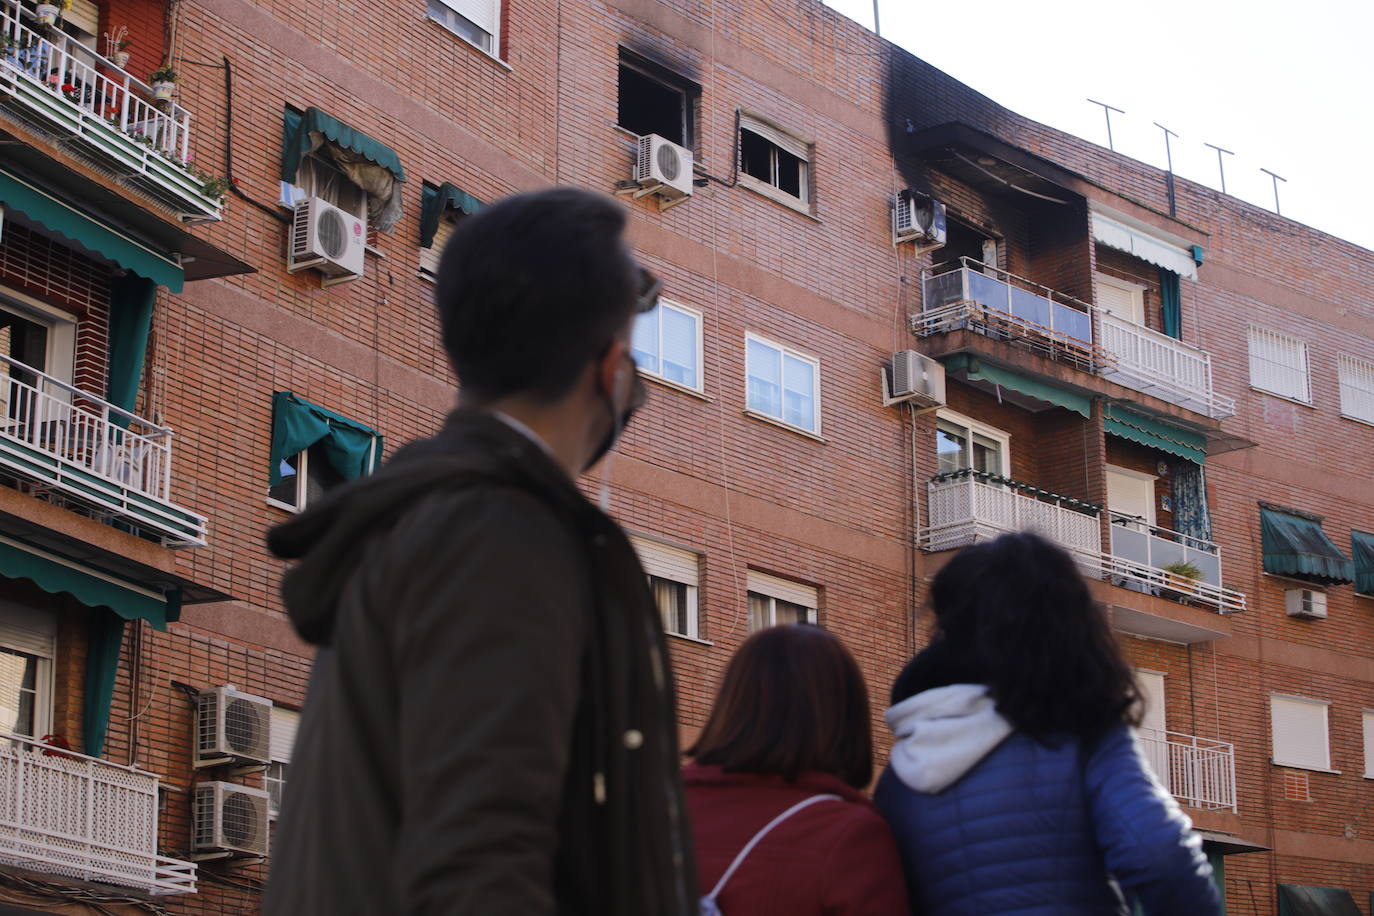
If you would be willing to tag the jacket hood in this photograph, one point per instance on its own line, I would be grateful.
(943, 733)
(330, 537)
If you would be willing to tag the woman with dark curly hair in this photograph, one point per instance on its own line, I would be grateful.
(1016, 783)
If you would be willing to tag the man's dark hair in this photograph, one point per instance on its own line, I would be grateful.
(1016, 614)
(792, 701)
(532, 289)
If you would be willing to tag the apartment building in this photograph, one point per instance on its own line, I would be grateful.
(898, 319)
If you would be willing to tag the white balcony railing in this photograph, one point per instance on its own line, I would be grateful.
(970, 506)
(52, 434)
(1001, 305)
(1199, 772)
(1140, 553)
(69, 90)
(68, 814)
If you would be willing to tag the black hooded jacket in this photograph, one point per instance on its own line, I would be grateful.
(490, 724)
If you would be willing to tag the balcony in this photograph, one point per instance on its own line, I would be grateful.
(61, 441)
(67, 814)
(1140, 553)
(1199, 772)
(71, 92)
(970, 295)
(966, 507)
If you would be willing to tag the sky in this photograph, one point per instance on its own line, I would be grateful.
(1286, 86)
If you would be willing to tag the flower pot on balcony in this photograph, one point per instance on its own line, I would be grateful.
(164, 91)
(47, 13)
(121, 59)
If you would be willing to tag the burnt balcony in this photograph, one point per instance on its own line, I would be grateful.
(112, 118)
(970, 295)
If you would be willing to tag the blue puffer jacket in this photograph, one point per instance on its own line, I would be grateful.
(989, 821)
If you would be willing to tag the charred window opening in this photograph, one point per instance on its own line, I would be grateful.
(772, 164)
(654, 100)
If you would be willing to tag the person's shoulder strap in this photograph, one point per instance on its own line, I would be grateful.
(749, 847)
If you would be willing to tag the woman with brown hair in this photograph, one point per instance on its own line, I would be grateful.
(775, 793)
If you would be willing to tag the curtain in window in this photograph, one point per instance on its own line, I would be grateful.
(297, 424)
(1171, 303)
(669, 596)
(102, 664)
(1191, 515)
(131, 318)
(368, 163)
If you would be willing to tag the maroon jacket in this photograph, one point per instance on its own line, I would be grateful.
(832, 858)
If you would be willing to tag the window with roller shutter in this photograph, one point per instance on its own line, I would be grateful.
(1300, 735)
(674, 579)
(774, 601)
(475, 21)
(284, 725)
(1278, 364)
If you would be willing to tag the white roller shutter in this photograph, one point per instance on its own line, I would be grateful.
(28, 630)
(284, 724)
(1300, 733)
(485, 14)
(776, 136)
(665, 562)
(783, 589)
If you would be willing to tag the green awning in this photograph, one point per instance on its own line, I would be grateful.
(1296, 900)
(58, 575)
(1127, 424)
(979, 371)
(89, 232)
(1362, 552)
(297, 424)
(131, 318)
(1295, 545)
(298, 142)
(435, 202)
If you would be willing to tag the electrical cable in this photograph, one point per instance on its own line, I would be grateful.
(229, 148)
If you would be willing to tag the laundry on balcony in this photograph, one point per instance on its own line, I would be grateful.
(1294, 545)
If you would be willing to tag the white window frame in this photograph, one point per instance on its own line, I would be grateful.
(1320, 763)
(482, 15)
(1357, 387)
(1136, 291)
(429, 257)
(32, 632)
(699, 369)
(1259, 364)
(285, 724)
(302, 475)
(971, 427)
(784, 351)
(60, 359)
(677, 565)
(776, 588)
(788, 142)
(1133, 478)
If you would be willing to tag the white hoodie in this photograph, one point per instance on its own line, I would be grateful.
(943, 733)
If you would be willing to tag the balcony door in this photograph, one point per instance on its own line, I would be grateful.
(1131, 496)
(34, 342)
(1121, 298)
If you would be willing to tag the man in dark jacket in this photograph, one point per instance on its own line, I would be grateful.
(490, 723)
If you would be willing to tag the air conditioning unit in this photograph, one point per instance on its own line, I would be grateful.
(916, 379)
(328, 239)
(232, 727)
(665, 169)
(1305, 603)
(229, 818)
(919, 218)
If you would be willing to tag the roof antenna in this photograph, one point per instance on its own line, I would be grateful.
(1277, 179)
(877, 32)
(1107, 111)
(1169, 175)
(1220, 166)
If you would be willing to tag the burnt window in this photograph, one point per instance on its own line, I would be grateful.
(775, 159)
(654, 100)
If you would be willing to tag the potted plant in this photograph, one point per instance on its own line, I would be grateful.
(164, 82)
(117, 46)
(47, 13)
(1181, 576)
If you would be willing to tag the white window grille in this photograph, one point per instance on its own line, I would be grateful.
(475, 21)
(675, 580)
(1357, 388)
(783, 384)
(1278, 364)
(284, 725)
(774, 162)
(667, 344)
(1300, 733)
(774, 601)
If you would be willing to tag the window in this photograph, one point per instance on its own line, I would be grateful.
(1278, 364)
(673, 577)
(317, 178)
(654, 100)
(962, 443)
(783, 384)
(284, 725)
(1368, 718)
(774, 162)
(442, 207)
(1300, 734)
(41, 339)
(475, 21)
(1357, 388)
(305, 477)
(429, 257)
(774, 601)
(1131, 494)
(314, 450)
(28, 642)
(667, 344)
(1121, 298)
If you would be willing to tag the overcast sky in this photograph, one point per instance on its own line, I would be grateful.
(1287, 86)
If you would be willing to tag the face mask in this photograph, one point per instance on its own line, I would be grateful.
(619, 420)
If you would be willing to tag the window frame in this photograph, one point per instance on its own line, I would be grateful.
(784, 351)
(15, 638)
(279, 758)
(668, 79)
(302, 475)
(494, 34)
(780, 139)
(1347, 365)
(59, 348)
(776, 588)
(1306, 369)
(1135, 290)
(1325, 707)
(429, 257)
(698, 346)
(658, 561)
(974, 427)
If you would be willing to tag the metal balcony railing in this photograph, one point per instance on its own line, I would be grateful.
(53, 434)
(968, 506)
(69, 90)
(1140, 553)
(1199, 772)
(68, 814)
(1157, 364)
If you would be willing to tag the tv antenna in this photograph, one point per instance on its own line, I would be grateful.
(1220, 166)
(1169, 176)
(1107, 111)
(1277, 179)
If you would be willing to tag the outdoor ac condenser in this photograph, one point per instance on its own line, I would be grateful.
(915, 379)
(1305, 603)
(230, 818)
(232, 727)
(328, 239)
(663, 168)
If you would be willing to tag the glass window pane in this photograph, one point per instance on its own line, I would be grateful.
(671, 598)
(645, 340)
(18, 694)
(288, 491)
(765, 379)
(987, 454)
(791, 174)
(755, 154)
(787, 612)
(760, 611)
(679, 346)
(799, 384)
(951, 444)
